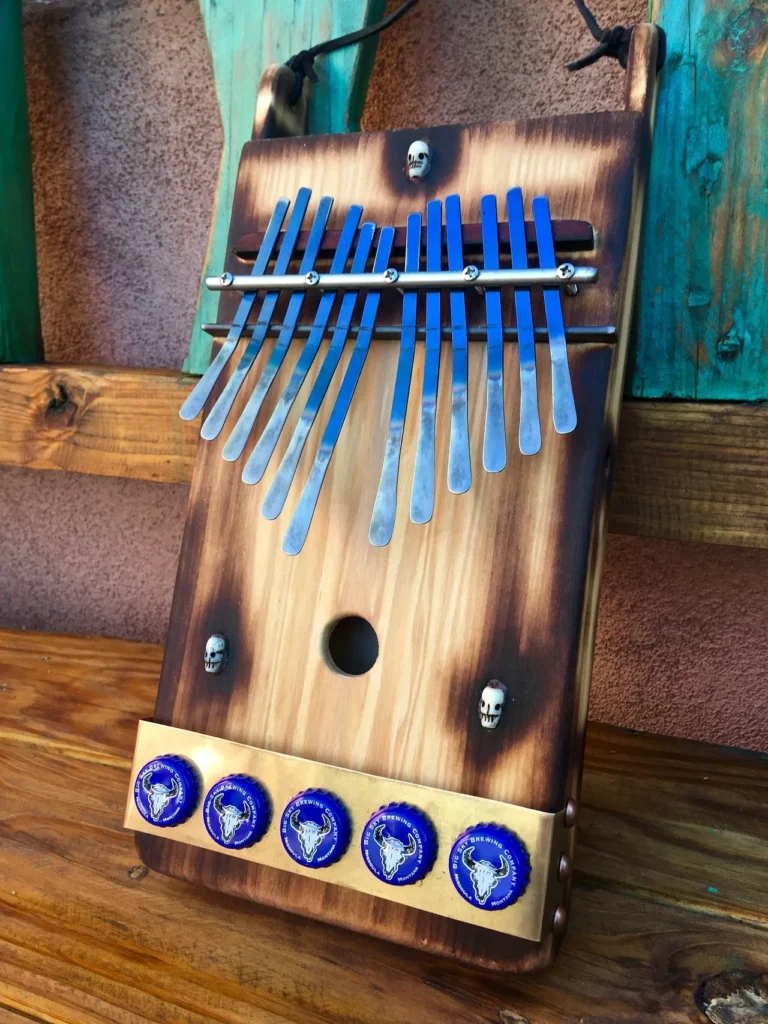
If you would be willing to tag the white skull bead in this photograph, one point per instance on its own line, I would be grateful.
(419, 160)
(215, 654)
(491, 703)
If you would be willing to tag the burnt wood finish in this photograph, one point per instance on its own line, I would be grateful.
(502, 583)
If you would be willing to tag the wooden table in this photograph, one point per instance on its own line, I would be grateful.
(671, 887)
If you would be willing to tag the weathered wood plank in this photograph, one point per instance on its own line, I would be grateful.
(20, 338)
(692, 471)
(703, 299)
(669, 887)
(244, 38)
(684, 471)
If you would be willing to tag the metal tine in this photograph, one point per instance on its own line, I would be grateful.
(278, 492)
(262, 452)
(238, 439)
(423, 492)
(215, 421)
(495, 440)
(199, 394)
(459, 466)
(530, 427)
(385, 508)
(563, 405)
(298, 528)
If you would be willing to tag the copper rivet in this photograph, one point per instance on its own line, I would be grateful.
(571, 811)
(564, 868)
(559, 921)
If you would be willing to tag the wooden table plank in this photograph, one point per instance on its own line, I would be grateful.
(669, 887)
(684, 470)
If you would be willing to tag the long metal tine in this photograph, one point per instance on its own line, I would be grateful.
(423, 493)
(199, 394)
(530, 427)
(297, 531)
(459, 466)
(563, 405)
(495, 440)
(278, 492)
(238, 439)
(262, 452)
(385, 508)
(215, 421)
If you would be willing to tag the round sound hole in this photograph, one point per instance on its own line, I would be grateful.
(352, 646)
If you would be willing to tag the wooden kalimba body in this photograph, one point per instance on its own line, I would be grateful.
(399, 604)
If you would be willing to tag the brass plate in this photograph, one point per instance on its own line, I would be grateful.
(451, 813)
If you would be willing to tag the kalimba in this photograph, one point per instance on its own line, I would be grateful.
(374, 693)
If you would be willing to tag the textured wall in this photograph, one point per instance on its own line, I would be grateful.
(126, 140)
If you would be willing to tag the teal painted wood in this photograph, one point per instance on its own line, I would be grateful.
(20, 340)
(245, 36)
(703, 298)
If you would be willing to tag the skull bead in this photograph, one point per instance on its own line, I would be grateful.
(491, 704)
(215, 654)
(419, 160)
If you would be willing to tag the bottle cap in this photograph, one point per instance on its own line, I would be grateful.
(166, 791)
(236, 812)
(315, 828)
(399, 844)
(489, 866)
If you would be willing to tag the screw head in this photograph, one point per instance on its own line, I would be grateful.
(571, 813)
(226, 279)
(559, 921)
(565, 271)
(391, 275)
(564, 868)
(470, 273)
(312, 278)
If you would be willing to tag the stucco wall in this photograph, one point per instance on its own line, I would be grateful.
(126, 138)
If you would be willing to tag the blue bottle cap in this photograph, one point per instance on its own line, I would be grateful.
(489, 866)
(236, 812)
(315, 828)
(166, 791)
(399, 844)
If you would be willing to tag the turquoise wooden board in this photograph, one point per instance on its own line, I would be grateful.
(245, 36)
(20, 338)
(703, 299)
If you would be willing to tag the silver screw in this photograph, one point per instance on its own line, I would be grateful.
(226, 280)
(565, 271)
(470, 273)
(571, 289)
(391, 275)
(312, 278)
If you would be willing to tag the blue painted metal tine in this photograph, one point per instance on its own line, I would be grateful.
(530, 427)
(238, 439)
(459, 465)
(215, 421)
(278, 492)
(563, 405)
(201, 391)
(385, 507)
(297, 531)
(256, 465)
(423, 492)
(495, 440)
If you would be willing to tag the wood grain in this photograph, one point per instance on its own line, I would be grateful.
(668, 891)
(703, 297)
(689, 471)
